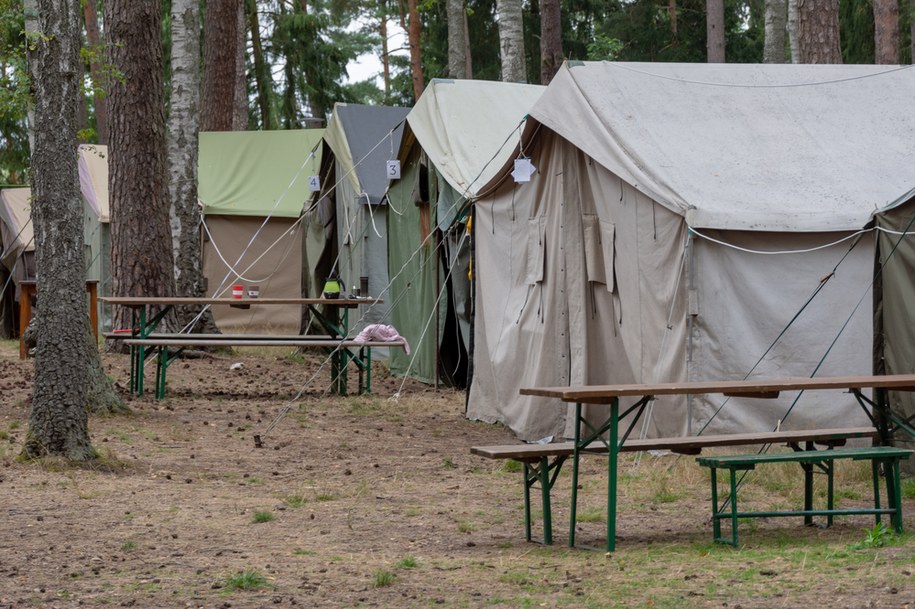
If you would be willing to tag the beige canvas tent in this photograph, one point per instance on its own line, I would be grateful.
(253, 185)
(689, 222)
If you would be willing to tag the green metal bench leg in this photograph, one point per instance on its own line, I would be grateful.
(875, 473)
(808, 492)
(895, 496)
(527, 500)
(368, 369)
(830, 490)
(545, 494)
(716, 521)
(161, 366)
(733, 507)
(573, 515)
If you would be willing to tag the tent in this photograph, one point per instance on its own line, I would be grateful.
(253, 186)
(458, 136)
(18, 240)
(346, 227)
(894, 290)
(689, 222)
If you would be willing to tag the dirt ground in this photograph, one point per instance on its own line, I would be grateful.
(373, 502)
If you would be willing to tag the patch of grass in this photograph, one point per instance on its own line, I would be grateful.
(465, 527)
(512, 466)
(663, 494)
(592, 515)
(128, 545)
(303, 552)
(261, 517)
(245, 580)
(384, 578)
(876, 537)
(254, 481)
(325, 497)
(4, 435)
(412, 512)
(447, 463)
(15, 425)
(294, 501)
(908, 488)
(848, 493)
(407, 562)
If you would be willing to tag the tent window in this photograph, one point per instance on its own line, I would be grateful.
(536, 250)
(598, 244)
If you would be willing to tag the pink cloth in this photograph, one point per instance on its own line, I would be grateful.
(383, 333)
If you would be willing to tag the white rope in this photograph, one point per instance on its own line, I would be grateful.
(778, 252)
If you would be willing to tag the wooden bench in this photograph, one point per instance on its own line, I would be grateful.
(169, 346)
(887, 456)
(543, 462)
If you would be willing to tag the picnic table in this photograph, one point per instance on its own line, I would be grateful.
(148, 312)
(29, 288)
(608, 430)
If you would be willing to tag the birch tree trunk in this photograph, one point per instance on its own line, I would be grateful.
(792, 32)
(886, 31)
(550, 40)
(511, 40)
(416, 63)
(141, 250)
(100, 101)
(776, 18)
(818, 31)
(457, 39)
(714, 27)
(219, 65)
(58, 423)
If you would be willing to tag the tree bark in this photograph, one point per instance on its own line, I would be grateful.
(183, 140)
(511, 40)
(886, 31)
(416, 63)
(550, 40)
(58, 423)
(776, 20)
(261, 74)
(100, 101)
(240, 114)
(468, 55)
(385, 59)
(792, 32)
(457, 45)
(141, 250)
(818, 31)
(714, 28)
(219, 65)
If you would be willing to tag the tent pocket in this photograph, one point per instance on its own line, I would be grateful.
(598, 244)
(536, 248)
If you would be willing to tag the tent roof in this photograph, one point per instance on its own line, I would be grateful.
(93, 178)
(750, 147)
(15, 213)
(466, 127)
(257, 173)
(361, 140)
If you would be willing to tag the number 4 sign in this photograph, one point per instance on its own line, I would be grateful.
(314, 183)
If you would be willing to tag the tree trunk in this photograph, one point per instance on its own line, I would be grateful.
(219, 65)
(385, 59)
(58, 423)
(818, 31)
(183, 127)
(776, 18)
(886, 31)
(457, 45)
(240, 114)
(714, 27)
(90, 16)
(511, 40)
(792, 32)
(30, 10)
(416, 63)
(261, 74)
(468, 55)
(550, 40)
(141, 249)
(672, 15)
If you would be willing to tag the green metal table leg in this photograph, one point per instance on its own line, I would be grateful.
(368, 369)
(612, 467)
(830, 490)
(545, 495)
(875, 473)
(575, 457)
(895, 496)
(161, 366)
(141, 351)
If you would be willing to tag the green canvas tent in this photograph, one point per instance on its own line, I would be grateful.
(458, 135)
(252, 186)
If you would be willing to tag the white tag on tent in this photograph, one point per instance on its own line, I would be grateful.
(314, 183)
(394, 170)
(524, 169)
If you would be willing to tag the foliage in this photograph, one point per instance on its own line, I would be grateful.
(262, 517)
(14, 91)
(876, 537)
(245, 580)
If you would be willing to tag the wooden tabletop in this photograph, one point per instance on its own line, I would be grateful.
(605, 394)
(142, 301)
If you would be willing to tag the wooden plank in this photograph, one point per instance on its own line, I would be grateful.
(605, 394)
(222, 337)
(179, 342)
(874, 452)
(687, 444)
(142, 301)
